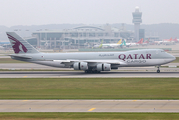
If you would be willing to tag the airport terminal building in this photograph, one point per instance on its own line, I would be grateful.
(78, 37)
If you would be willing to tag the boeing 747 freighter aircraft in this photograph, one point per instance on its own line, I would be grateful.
(110, 45)
(90, 62)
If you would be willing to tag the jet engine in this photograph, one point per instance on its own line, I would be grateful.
(104, 67)
(80, 66)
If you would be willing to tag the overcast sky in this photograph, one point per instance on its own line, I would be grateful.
(40, 12)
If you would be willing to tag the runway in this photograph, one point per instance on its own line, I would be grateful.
(81, 74)
(89, 105)
(18, 66)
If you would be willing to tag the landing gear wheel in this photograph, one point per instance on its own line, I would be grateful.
(158, 71)
(95, 71)
(88, 71)
(92, 71)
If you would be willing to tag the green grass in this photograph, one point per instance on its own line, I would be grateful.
(89, 88)
(176, 61)
(90, 116)
(9, 60)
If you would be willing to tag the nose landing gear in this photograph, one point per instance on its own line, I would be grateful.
(158, 71)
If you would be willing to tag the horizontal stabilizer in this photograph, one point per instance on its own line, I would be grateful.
(20, 56)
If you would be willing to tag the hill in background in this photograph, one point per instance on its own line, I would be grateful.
(163, 30)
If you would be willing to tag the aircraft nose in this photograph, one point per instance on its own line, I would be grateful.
(172, 57)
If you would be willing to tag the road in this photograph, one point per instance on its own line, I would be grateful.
(89, 106)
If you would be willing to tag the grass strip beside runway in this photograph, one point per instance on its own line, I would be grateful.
(176, 61)
(9, 60)
(89, 88)
(90, 116)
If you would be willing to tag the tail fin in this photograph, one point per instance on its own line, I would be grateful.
(175, 39)
(140, 41)
(147, 41)
(170, 39)
(123, 43)
(102, 42)
(120, 41)
(19, 45)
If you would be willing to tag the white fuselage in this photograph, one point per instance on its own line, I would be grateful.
(135, 58)
(110, 45)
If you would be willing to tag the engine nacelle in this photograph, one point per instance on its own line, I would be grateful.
(83, 66)
(104, 67)
(80, 66)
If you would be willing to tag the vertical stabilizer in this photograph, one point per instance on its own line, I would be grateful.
(120, 41)
(170, 39)
(140, 41)
(175, 39)
(123, 43)
(19, 45)
(101, 45)
(147, 41)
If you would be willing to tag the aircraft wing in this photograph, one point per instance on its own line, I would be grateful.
(91, 61)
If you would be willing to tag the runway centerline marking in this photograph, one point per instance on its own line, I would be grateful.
(91, 109)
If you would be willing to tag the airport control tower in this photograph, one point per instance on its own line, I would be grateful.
(136, 20)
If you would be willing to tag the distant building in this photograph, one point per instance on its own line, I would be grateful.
(78, 37)
(141, 33)
(32, 41)
(136, 20)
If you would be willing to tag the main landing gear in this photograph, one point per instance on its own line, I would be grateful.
(92, 71)
(158, 71)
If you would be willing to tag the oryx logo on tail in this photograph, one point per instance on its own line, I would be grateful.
(17, 45)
